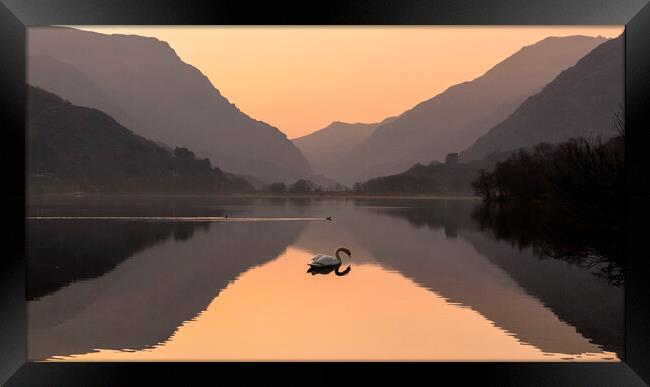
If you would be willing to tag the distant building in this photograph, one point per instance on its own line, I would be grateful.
(451, 159)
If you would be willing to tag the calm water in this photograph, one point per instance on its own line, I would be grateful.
(109, 282)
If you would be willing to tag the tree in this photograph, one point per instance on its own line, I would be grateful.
(277, 187)
(590, 177)
(183, 153)
(485, 185)
(302, 186)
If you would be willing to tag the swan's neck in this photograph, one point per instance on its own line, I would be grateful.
(337, 254)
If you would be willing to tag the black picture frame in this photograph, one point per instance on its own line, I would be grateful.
(15, 15)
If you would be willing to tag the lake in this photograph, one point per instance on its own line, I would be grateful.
(155, 278)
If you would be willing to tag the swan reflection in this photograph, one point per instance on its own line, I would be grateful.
(328, 269)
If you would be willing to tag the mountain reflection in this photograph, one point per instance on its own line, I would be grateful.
(552, 231)
(127, 286)
(151, 285)
(64, 252)
(593, 306)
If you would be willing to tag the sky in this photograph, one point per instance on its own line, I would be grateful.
(300, 79)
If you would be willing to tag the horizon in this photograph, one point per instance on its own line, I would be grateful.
(329, 82)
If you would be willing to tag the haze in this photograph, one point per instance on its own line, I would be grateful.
(300, 79)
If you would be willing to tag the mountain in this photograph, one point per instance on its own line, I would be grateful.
(145, 86)
(325, 147)
(74, 148)
(581, 102)
(453, 119)
(435, 177)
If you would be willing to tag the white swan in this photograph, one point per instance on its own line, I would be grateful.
(321, 260)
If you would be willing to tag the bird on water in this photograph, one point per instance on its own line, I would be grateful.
(324, 264)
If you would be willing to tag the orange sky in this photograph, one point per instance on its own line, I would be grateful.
(300, 79)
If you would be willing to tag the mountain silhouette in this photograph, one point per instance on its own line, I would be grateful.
(453, 119)
(325, 148)
(581, 102)
(145, 86)
(73, 148)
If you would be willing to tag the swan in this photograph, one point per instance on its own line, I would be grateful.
(321, 260)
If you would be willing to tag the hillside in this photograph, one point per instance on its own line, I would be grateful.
(581, 102)
(73, 148)
(145, 86)
(434, 177)
(453, 119)
(325, 147)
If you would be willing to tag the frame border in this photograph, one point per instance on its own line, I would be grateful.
(635, 14)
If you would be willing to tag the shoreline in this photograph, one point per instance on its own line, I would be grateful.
(258, 195)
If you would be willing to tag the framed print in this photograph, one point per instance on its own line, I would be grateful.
(425, 188)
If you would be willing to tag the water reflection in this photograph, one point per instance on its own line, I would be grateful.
(552, 231)
(62, 252)
(328, 269)
(591, 305)
(456, 271)
(429, 284)
(143, 299)
(375, 314)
